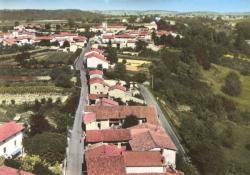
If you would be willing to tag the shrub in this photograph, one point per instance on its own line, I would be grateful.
(130, 121)
(49, 146)
(232, 85)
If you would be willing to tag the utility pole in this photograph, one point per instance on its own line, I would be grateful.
(152, 83)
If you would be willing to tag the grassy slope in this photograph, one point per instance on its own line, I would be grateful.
(239, 155)
(215, 78)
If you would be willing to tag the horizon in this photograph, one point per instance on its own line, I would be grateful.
(96, 10)
(225, 6)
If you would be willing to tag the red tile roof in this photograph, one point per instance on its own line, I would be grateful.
(96, 96)
(44, 38)
(4, 170)
(108, 135)
(96, 55)
(62, 34)
(143, 159)
(148, 140)
(10, 40)
(107, 102)
(108, 36)
(103, 150)
(106, 165)
(117, 86)
(9, 129)
(96, 80)
(120, 112)
(80, 38)
(97, 50)
(146, 127)
(96, 71)
(89, 117)
(124, 36)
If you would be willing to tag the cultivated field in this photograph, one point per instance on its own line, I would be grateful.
(136, 65)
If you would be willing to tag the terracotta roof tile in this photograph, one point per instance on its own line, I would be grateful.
(107, 135)
(117, 86)
(95, 71)
(143, 158)
(107, 102)
(89, 117)
(96, 80)
(9, 129)
(96, 96)
(103, 150)
(148, 140)
(106, 165)
(96, 55)
(4, 170)
(120, 112)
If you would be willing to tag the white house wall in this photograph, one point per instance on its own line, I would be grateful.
(93, 62)
(10, 145)
(145, 169)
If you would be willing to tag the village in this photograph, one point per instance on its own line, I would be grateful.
(119, 129)
(124, 93)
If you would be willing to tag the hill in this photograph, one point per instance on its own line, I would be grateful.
(46, 14)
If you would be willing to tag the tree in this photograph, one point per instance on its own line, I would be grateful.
(140, 77)
(38, 124)
(13, 102)
(71, 23)
(130, 121)
(21, 58)
(49, 146)
(66, 44)
(47, 26)
(141, 45)
(58, 27)
(112, 55)
(16, 23)
(232, 85)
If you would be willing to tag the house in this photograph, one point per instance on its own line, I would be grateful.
(95, 73)
(109, 159)
(106, 102)
(94, 60)
(11, 136)
(77, 43)
(148, 137)
(115, 136)
(113, 116)
(144, 162)
(119, 91)
(151, 26)
(98, 86)
(4, 170)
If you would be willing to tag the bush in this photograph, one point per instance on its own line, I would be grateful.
(49, 146)
(130, 121)
(232, 85)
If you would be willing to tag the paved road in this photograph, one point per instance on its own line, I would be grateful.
(76, 144)
(150, 100)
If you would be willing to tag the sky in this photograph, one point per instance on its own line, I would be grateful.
(171, 5)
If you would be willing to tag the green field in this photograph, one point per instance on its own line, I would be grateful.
(53, 57)
(215, 78)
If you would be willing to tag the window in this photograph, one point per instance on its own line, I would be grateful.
(95, 87)
(15, 142)
(4, 150)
